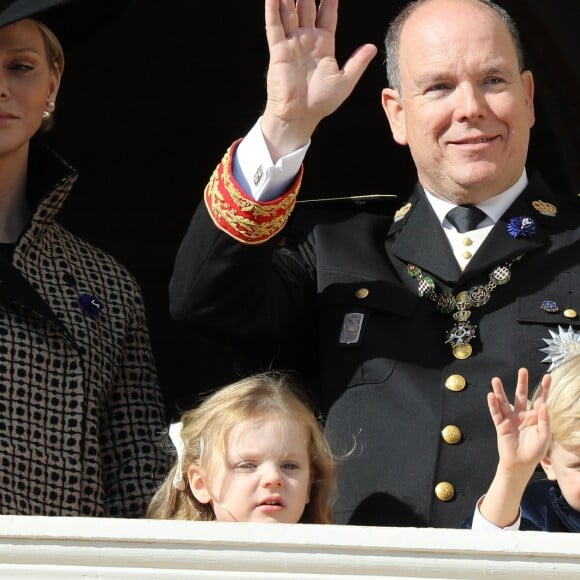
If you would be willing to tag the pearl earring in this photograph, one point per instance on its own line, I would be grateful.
(50, 107)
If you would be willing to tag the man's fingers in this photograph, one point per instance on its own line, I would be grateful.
(281, 20)
(306, 10)
(327, 15)
(356, 65)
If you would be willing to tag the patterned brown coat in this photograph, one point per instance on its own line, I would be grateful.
(80, 405)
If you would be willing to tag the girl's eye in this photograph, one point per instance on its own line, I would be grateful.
(245, 465)
(290, 465)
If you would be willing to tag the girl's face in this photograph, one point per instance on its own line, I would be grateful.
(27, 83)
(266, 477)
(563, 466)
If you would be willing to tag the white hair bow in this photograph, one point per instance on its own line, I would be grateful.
(177, 440)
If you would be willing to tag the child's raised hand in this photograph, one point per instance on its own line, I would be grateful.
(523, 432)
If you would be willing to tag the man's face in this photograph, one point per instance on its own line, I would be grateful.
(465, 110)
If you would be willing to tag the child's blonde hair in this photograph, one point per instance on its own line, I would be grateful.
(205, 432)
(564, 403)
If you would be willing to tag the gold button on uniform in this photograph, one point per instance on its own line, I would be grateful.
(362, 293)
(467, 241)
(444, 491)
(570, 313)
(467, 255)
(455, 383)
(451, 434)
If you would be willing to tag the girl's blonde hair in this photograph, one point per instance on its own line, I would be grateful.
(564, 403)
(205, 431)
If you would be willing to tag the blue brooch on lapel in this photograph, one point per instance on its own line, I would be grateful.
(521, 227)
(91, 305)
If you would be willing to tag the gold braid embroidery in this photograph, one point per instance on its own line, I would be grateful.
(245, 219)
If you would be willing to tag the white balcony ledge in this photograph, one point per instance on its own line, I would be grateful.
(45, 548)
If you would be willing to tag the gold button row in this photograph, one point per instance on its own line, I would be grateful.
(455, 383)
(444, 491)
(362, 293)
(451, 434)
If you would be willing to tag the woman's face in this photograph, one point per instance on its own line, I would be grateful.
(27, 84)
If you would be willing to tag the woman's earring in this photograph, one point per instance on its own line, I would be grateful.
(48, 112)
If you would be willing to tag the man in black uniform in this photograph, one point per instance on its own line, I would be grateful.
(406, 317)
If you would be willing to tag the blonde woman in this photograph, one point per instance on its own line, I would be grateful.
(80, 405)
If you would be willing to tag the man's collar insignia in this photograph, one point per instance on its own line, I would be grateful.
(402, 212)
(545, 208)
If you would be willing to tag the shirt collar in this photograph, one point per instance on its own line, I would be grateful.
(494, 207)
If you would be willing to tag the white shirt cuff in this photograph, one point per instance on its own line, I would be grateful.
(480, 523)
(255, 172)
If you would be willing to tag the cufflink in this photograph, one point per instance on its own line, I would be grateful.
(258, 175)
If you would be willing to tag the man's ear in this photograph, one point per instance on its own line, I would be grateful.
(528, 85)
(546, 464)
(198, 485)
(393, 107)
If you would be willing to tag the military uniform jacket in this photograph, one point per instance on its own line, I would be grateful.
(332, 295)
(80, 405)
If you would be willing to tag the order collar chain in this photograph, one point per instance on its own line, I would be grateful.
(462, 332)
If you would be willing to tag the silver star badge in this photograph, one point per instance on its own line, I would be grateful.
(561, 347)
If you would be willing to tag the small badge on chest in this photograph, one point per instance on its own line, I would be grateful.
(351, 328)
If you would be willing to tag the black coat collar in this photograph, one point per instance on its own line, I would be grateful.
(417, 238)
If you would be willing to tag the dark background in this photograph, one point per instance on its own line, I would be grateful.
(149, 104)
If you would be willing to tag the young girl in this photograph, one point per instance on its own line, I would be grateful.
(549, 433)
(253, 451)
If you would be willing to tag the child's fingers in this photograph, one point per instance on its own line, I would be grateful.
(544, 389)
(497, 408)
(543, 421)
(521, 396)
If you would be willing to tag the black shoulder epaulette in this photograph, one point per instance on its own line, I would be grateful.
(373, 203)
